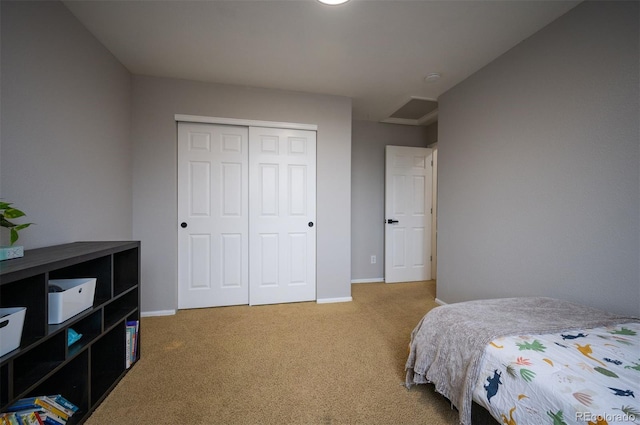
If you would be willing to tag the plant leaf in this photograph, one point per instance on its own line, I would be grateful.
(4, 205)
(22, 226)
(13, 213)
(5, 223)
(14, 235)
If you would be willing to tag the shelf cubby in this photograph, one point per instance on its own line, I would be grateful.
(107, 361)
(31, 366)
(32, 294)
(89, 327)
(120, 308)
(4, 382)
(126, 274)
(100, 268)
(70, 380)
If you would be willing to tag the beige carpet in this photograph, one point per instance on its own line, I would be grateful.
(302, 363)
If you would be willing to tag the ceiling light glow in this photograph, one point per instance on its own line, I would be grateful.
(333, 2)
(432, 78)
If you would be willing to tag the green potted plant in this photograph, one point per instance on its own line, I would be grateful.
(7, 214)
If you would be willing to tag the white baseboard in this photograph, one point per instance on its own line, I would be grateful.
(370, 280)
(334, 300)
(440, 302)
(158, 313)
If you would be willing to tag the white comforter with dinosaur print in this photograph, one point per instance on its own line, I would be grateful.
(589, 376)
(448, 343)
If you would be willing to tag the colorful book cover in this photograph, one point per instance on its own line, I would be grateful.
(64, 402)
(58, 406)
(8, 419)
(34, 404)
(38, 418)
(12, 419)
(51, 408)
(24, 404)
(127, 359)
(49, 418)
(135, 326)
(29, 418)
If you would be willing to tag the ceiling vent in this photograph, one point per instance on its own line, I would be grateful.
(415, 111)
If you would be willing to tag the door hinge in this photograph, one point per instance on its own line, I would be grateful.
(430, 258)
(431, 210)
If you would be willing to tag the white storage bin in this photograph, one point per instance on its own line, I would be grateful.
(11, 322)
(76, 295)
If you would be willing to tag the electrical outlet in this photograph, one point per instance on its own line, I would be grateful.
(373, 259)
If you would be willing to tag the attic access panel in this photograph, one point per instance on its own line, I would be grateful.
(416, 111)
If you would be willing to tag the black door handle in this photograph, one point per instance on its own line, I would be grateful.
(391, 221)
(183, 225)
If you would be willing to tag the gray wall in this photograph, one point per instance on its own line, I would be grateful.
(155, 222)
(539, 167)
(65, 151)
(367, 190)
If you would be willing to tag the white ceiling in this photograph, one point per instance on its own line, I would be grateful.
(374, 51)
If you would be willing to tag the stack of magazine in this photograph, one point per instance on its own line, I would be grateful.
(133, 329)
(41, 410)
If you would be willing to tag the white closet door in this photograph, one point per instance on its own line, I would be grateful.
(282, 203)
(213, 215)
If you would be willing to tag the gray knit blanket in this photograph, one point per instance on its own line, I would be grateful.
(448, 343)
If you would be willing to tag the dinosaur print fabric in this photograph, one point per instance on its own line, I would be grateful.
(590, 376)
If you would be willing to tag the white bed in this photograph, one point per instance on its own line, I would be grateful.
(530, 361)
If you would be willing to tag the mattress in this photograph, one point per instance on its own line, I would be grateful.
(586, 376)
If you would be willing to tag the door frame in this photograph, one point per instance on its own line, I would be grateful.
(434, 215)
(234, 122)
(243, 122)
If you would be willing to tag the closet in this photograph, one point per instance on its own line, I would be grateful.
(246, 214)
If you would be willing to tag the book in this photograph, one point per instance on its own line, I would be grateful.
(29, 418)
(128, 337)
(59, 399)
(49, 418)
(41, 401)
(131, 342)
(24, 404)
(134, 343)
(38, 418)
(8, 419)
(52, 401)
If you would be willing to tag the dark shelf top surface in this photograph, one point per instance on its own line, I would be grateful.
(40, 260)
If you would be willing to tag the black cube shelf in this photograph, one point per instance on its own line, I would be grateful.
(89, 369)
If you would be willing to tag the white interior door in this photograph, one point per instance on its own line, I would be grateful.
(408, 186)
(213, 215)
(282, 185)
